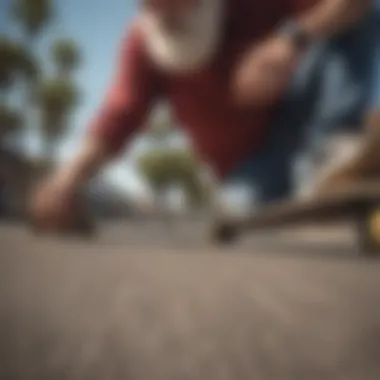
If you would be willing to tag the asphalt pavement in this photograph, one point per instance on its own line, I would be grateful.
(149, 301)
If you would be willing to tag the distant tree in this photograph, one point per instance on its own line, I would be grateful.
(8, 65)
(15, 63)
(163, 169)
(10, 121)
(59, 96)
(159, 127)
(33, 16)
(163, 166)
(66, 56)
(152, 166)
(57, 99)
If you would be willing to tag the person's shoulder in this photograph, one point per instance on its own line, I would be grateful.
(244, 9)
(133, 48)
(302, 5)
(133, 36)
(248, 8)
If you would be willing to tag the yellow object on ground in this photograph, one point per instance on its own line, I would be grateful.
(374, 226)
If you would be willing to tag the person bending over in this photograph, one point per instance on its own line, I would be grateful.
(224, 67)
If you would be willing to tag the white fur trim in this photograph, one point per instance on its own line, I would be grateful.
(179, 54)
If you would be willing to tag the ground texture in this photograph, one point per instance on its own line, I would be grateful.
(150, 302)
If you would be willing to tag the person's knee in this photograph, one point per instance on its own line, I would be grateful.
(276, 187)
(372, 121)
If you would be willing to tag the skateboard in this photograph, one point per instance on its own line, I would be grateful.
(358, 203)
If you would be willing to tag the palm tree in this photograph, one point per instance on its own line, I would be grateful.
(163, 169)
(15, 62)
(33, 16)
(66, 56)
(185, 169)
(153, 163)
(57, 98)
(152, 166)
(164, 166)
(159, 127)
(10, 121)
(8, 66)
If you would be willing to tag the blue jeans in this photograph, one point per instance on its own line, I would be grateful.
(331, 92)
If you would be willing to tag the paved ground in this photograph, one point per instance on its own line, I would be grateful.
(148, 303)
(192, 236)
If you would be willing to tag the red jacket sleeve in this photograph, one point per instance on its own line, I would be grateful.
(130, 97)
(297, 6)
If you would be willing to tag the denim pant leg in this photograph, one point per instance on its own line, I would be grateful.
(374, 100)
(346, 82)
(269, 172)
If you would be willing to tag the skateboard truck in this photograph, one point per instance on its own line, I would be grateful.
(224, 232)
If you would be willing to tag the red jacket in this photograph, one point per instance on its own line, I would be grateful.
(222, 133)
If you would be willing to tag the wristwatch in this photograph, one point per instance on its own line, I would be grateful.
(296, 33)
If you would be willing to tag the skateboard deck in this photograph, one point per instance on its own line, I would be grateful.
(352, 201)
(355, 202)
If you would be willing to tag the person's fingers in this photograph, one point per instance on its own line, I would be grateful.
(51, 209)
(261, 88)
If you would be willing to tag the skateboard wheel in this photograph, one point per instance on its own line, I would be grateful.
(224, 233)
(82, 229)
(369, 233)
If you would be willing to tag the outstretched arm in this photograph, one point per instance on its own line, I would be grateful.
(329, 17)
(265, 72)
(124, 110)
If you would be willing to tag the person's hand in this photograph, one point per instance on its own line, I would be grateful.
(265, 71)
(54, 205)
